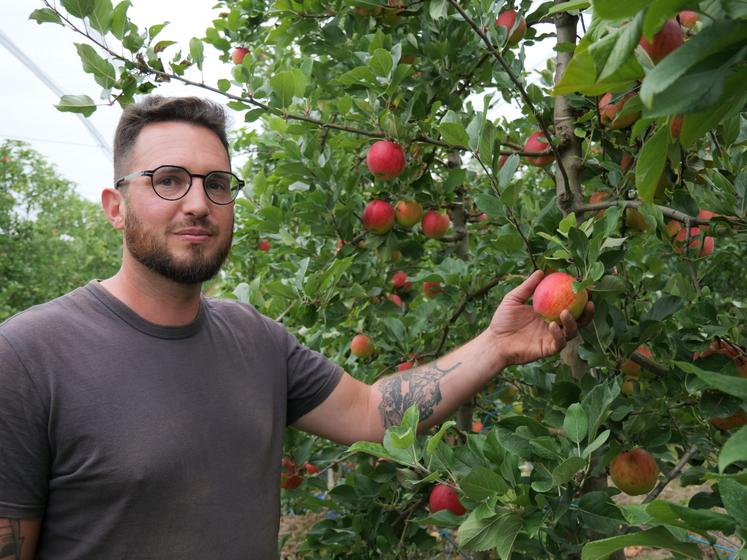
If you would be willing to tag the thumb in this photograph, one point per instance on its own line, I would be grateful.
(523, 291)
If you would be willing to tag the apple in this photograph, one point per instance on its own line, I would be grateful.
(555, 293)
(477, 426)
(399, 281)
(502, 161)
(395, 299)
(675, 126)
(625, 162)
(705, 246)
(238, 54)
(688, 18)
(668, 39)
(507, 395)
(378, 216)
(445, 497)
(361, 346)
(311, 469)
(598, 196)
(507, 20)
(435, 224)
(405, 366)
(634, 472)
(263, 245)
(608, 111)
(627, 387)
(290, 478)
(537, 142)
(632, 369)
(386, 160)
(736, 420)
(706, 215)
(407, 213)
(431, 289)
(719, 346)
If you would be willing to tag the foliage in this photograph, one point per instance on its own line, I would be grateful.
(51, 240)
(324, 78)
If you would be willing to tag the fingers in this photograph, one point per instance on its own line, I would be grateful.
(558, 336)
(524, 291)
(570, 328)
(587, 315)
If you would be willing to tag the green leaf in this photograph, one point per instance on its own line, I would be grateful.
(699, 520)
(381, 62)
(735, 449)
(658, 537)
(566, 470)
(359, 76)
(120, 23)
(729, 384)
(489, 204)
(76, 104)
(79, 8)
(568, 6)
(288, 84)
(101, 19)
(719, 40)
(483, 483)
(597, 403)
(650, 164)
(734, 498)
(507, 171)
(625, 42)
(438, 9)
(45, 15)
(197, 51)
(102, 70)
(614, 9)
(482, 531)
(435, 439)
(665, 306)
(575, 423)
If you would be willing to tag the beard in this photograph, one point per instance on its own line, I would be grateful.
(154, 254)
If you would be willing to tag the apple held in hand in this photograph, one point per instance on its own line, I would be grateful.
(407, 213)
(378, 216)
(435, 224)
(668, 39)
(386, 160)
(361, 346)
(507, 20)
(634, 472)
(445, 497)
(555, 293)
(537, 142)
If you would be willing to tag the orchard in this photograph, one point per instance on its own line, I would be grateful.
(379, 165)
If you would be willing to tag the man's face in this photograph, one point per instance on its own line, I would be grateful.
(185, 240)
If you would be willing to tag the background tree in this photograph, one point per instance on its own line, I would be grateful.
(626, 170)
(51, 240)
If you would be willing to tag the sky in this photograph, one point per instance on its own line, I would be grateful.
(27, 105)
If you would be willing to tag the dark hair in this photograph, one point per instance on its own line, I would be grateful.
(155, 108)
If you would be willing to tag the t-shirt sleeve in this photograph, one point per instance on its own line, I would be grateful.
(24, 446)
(311, 378)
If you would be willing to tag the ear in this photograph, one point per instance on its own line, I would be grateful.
(113, 204)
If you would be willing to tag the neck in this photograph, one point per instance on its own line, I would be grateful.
(153, 297)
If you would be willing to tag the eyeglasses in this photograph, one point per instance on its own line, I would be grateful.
(172, 182)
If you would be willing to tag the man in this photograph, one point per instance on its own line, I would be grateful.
(139, 419)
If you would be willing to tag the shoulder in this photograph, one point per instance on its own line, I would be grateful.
(245, 316)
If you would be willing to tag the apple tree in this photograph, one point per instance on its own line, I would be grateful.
(625, 167)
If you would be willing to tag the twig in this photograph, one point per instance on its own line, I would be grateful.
(671, 476)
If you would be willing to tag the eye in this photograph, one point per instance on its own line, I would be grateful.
(218, 182)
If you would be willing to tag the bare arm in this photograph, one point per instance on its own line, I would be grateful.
(356, 411)
(18, 538)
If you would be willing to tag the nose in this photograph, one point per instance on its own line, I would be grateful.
(196, 202)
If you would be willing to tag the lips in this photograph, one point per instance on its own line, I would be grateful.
(194, 235)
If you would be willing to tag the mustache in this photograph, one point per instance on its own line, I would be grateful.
(211, 228)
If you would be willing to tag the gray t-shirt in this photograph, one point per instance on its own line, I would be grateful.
(139, 441)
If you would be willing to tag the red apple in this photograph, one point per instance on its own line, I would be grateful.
(675, 126)
(405, 366)
(608, 111)
(507, 20)
(395, 299)
(502, 161)
(668, 39)
(537, 142)
(435, 224)
(263, 245)
(625, 162)
(407, 213)
(477, 426)
(555, 293)
(238, 54)
(688, 18)
(361, 346)
(386, 160)
(705, 247)
(719, 346)
(634, 472)
(706, 215)
(632, 369)
(445, 497)
(431, 289)
(736, 420)
(378, 216)
(290, 478)
(311, 469)
(598, 196)
(399, 281)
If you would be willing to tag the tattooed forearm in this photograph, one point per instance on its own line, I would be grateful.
(11, 541)
(420, 386)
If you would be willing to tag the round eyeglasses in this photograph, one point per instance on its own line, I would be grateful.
(172, 182)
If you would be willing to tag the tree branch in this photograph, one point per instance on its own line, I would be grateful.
(674, 473)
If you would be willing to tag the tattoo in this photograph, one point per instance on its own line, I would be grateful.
(420, 386)
(11, 541)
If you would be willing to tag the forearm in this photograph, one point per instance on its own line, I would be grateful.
(439, 387)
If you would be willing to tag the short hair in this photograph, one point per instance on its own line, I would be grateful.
(156, 108)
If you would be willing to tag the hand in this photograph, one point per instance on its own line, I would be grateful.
(521, 335)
